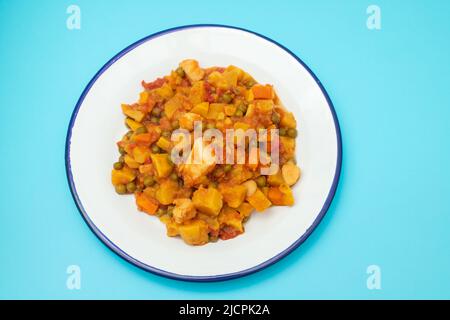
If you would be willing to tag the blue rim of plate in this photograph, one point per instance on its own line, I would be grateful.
(220, 277)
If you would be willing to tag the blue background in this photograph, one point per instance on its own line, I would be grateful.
(390, 89)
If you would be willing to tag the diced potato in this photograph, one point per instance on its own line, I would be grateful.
(146, 204)
(175, 103)
(192, 69)
(201, 109)
(200, 161)
(194, 232)
(225, 80)
(265, 106)
(162, 164)
(241, 125)
(146, 168)
(231, 218)
(281, 195)
(291, 173)
(245, 209)
(184, 210)
(208, 201)
(287, 146)
(197, 93)
(233, 195)
(131, 162)
(263, 92)
(171, 226)
(238, 71)
(250, 187)
(249, 96)
(165, 91)
(188, 120)
(231, 77)
(123, 176)
(143, 97)
(133, 113)
(214, 110)
(288, 120)
(133, 124)
(217, 80)
(164, 143)
(259, 201)
(239, 174)
(275, 179)
(141, 154)
(230, 109)
(166, 192)
(212, 221)
(151, 191)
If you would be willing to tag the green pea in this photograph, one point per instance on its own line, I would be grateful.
(261, 181)
(121, 189)
(175, 124)
(160, 212)
(282, 132)
(227, 98)
(227, 168)
(174, 176)
(292, 133)
(218, 172)
(154, 120)
(250, 83)
(166, 134)
(213, 238)
(141, 130)
(122, 150)
(156, 111)
(180, 72)
(131, 187)
(170, 211)
(213, 184)
(155, 149)
(239, 113)
(118, 165)
(276, 118)
(242, 107)
(149, 181)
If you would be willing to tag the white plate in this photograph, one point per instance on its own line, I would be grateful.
(97, 123)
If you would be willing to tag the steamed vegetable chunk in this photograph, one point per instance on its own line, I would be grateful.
(195, 232)
(204, 198)
(208, 201)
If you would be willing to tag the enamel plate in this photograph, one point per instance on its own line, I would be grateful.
(97, 124)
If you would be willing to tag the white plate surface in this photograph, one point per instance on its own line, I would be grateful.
(97, 123)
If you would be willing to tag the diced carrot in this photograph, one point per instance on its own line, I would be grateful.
(262, 92)
(145, 204)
